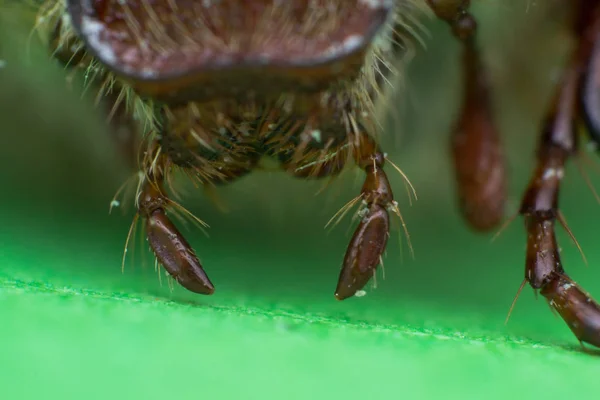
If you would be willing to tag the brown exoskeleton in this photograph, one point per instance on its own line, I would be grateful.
(216, 85)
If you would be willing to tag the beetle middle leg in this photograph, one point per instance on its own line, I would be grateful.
(539, 207)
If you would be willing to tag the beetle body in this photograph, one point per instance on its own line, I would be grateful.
(216, 85)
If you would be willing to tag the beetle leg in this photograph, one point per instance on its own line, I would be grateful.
(480, 170)
(172, 250)
(476, 148)
(368, 243)
(543, 268)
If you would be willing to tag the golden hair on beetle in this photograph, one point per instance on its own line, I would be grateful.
(368, 93)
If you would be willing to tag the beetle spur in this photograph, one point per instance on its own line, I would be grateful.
(214, 86)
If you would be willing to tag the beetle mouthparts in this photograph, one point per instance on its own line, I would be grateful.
(185, 50)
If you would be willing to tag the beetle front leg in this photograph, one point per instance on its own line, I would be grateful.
(170, 247)
(368, 243)
(370, 238)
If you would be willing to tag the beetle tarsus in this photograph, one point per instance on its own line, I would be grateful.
(576, 307)
(544, 271)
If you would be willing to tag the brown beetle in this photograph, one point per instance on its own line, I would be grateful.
(216, 85)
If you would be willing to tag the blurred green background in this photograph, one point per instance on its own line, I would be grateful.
(73, 326)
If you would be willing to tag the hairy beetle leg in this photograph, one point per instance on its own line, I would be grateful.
(539, 207)
(368, 243)
(480, 170)
(370, 238)
(171, 249)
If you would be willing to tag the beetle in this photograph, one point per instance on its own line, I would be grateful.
(214, 86)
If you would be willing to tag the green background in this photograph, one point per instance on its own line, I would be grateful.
(73, 326)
